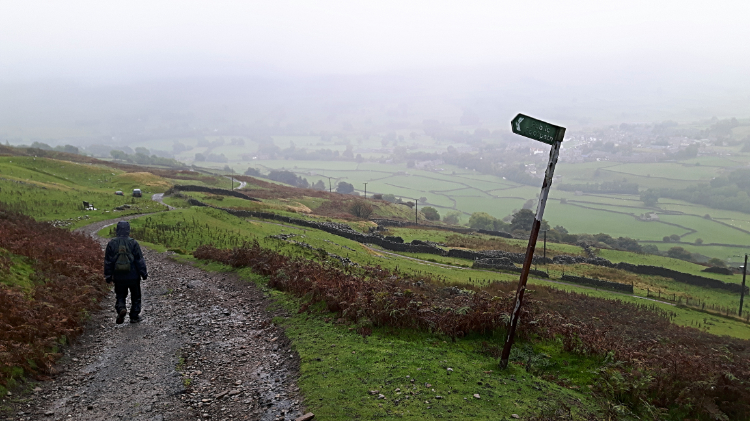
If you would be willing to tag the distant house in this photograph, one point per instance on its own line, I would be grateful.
(536, 151)
(649, 216)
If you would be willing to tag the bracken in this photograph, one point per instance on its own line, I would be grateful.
(32, 323)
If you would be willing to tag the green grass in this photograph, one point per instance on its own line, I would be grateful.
(19, 273)
(580, 220)
(48, 202)
(54, 191)
(677, 171)
(224, 230)
(339, 368)
(617, 256)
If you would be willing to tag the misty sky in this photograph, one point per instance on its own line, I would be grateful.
(134, 39)
(575, 60)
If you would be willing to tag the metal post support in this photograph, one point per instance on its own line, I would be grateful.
(553, 154)
(742, 292)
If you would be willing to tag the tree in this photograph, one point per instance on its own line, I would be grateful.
(348, 152)
(344, 188)
(361, 208)
(482, 221)
(500, 225)
(698, 241)
(178, 147)
(68, 149)
(522, 220)
(288, 177)
(628, 244)
(674, 238)
(252, 172)
(431, 213)
(716, 262)
(422, 199)
(679, 253)
(118, 155)
(453, 218)
(604, 238)
(319, 185)
(200, 157)
(389, 198)
(650, 249)
(561, 229)
(142, 150)
(650, 197)
(40, 145)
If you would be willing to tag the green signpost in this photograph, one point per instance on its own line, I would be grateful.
(552, 135)
(537, 129)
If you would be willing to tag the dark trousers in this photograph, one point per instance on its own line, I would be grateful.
(121, 291)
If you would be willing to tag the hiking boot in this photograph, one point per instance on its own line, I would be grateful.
(121, 316)
(135, 319)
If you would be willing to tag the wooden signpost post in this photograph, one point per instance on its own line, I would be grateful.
(552, 135)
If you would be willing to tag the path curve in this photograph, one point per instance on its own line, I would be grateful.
(159, 197)
(242, 183)
(206, 349)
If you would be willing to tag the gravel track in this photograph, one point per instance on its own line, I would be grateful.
(206, 349)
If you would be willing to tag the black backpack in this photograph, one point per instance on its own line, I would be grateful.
(125, 258)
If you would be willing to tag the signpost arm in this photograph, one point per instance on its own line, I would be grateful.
(553, 154)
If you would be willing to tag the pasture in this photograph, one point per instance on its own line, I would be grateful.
(52, 190)
(451, 189)
(184, 230)
(382, 359)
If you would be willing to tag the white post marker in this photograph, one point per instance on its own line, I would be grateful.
(552, 135)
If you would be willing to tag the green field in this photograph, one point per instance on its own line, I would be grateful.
(52, 190)
(225, 230)
(336, 381)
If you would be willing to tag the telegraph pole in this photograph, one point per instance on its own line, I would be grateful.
(742, 292)
(416, 212)
(329, 185)
(365, 190)
(551, 135)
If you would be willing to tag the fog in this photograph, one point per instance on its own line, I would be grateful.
(93, 69)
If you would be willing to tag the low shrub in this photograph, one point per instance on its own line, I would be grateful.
(67, 283)
(649, 363)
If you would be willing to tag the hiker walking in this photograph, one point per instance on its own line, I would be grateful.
(124, 265)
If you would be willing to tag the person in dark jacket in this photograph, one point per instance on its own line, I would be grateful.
(124, 265)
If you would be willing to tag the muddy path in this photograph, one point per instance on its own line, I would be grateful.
(206, 349)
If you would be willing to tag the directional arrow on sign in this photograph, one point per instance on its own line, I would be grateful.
(537, 129)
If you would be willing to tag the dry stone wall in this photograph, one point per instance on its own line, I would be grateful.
(504, 263)
(212, 190)
(346, 231)
(598, 283)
